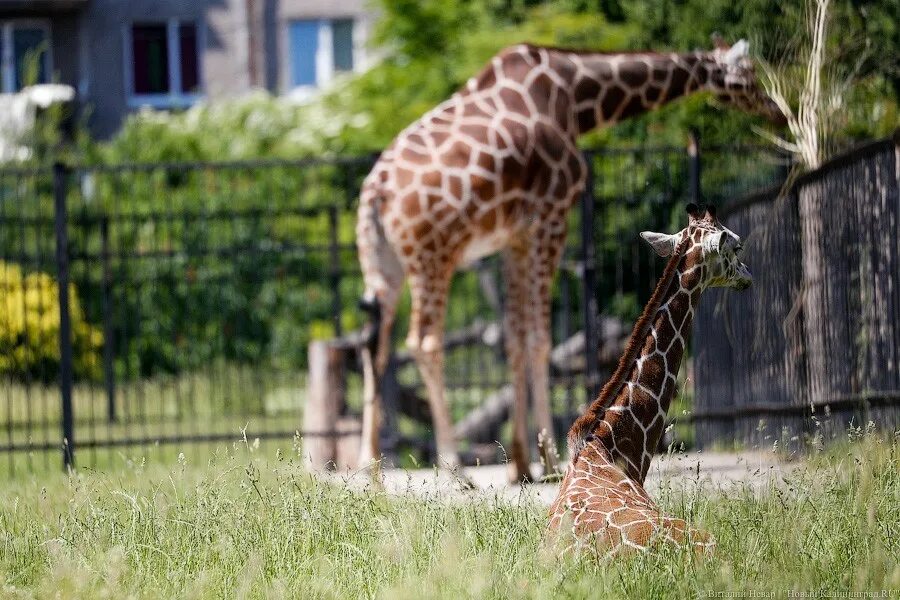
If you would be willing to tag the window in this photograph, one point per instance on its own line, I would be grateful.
(24, 54)
(342, 44)
(304, 48)
(188, 54)
(318, 50)
(151, 59)
(164, 64)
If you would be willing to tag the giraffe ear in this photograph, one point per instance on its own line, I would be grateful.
(714, 242)
(739, 50)
(662, 243)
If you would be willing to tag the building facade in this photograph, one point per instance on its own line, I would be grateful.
(121, 55)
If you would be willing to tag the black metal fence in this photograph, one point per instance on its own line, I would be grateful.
(171, 305)
(814, 346)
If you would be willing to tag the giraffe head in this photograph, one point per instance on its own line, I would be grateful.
(710, 249)
(732, 78)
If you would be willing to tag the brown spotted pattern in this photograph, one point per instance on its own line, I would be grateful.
(496, 168)
(602, 503)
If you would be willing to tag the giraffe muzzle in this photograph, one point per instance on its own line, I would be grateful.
(743, 278)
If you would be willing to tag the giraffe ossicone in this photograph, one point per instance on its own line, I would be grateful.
(602, 503)
(496, 167)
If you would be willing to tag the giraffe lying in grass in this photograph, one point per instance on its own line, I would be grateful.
(602, 502)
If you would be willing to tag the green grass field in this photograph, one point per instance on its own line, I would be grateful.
(156, 412)
(251, 523)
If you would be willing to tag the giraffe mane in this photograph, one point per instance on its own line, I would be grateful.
(584, 51)
(586, 423)
(487, 70)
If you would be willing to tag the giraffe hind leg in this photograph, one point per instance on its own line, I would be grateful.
(655, 530)
(375, 352)
(383, 275)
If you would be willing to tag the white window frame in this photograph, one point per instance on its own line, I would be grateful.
(8, 59)
(325, 72)
(175, 98)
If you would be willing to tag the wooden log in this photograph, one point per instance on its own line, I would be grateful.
(568, 356)
(412, 405)
(324, 403)
(481, 424)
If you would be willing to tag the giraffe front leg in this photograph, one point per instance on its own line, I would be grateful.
(514, 322)
(539, 358)
(543, 258)
(519, 469)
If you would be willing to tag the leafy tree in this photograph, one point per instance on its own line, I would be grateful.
(433, 47)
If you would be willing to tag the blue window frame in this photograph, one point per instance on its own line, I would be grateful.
(304, 43)
(318, 49)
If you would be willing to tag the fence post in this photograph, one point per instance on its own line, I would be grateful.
(109, 378)
(335, 268)
(695, 190)
(60, 182)
(589, 283)
(324, 399)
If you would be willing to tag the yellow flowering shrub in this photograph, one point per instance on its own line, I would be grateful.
(29, 327)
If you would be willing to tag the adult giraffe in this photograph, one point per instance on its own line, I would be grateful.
(602, 497)
(496, 167)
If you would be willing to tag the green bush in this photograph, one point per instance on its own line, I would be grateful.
(190, 290)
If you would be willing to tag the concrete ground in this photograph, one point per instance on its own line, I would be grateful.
(715, 471)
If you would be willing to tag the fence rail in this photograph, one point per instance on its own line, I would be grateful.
(172, 305)
(816, 338)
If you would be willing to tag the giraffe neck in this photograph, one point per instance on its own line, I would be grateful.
(608, 88)
(636, 418)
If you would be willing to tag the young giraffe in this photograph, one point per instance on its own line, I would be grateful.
(496, 167)
(602, 497)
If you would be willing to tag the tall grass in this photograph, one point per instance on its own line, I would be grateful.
(247, 525)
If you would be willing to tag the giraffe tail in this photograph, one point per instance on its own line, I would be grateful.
(371, 333)
(383, 279)
(382, 273)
